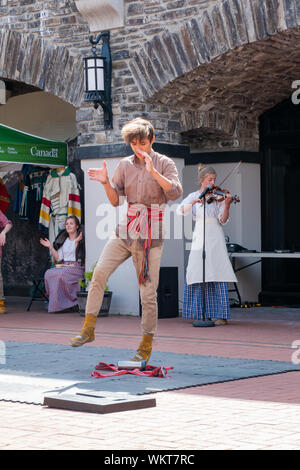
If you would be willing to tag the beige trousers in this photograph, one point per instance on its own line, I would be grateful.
(115, 253)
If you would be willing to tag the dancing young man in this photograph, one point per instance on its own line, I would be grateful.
(148, 180)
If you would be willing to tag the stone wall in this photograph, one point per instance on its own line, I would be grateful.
(202, 71)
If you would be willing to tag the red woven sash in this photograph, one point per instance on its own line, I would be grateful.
(150, 371)
(140, 222)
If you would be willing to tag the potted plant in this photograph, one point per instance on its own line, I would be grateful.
(83, 293)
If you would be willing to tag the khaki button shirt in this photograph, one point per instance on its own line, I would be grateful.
(132, 180)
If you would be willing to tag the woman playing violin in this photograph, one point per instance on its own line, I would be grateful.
(218, 269)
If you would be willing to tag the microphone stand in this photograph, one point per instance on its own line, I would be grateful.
(204, 323)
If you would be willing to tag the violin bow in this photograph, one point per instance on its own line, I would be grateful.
(230, 173)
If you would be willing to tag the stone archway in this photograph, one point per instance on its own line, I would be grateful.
(37, 62)
(237, 59)
(227, 26)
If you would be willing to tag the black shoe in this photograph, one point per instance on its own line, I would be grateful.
(75, 308)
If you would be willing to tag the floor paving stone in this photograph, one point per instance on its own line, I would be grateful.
(209, 417)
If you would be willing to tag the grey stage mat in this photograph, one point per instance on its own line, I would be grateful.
(32, 370)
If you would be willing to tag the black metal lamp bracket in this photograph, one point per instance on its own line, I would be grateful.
(103, 98)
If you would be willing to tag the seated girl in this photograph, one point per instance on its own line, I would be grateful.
(61, 282)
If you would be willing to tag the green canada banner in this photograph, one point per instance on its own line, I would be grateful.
(20, 147)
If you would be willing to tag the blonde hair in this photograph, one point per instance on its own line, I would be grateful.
(204, 170)
(138, 128)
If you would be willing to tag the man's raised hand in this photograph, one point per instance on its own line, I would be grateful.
(99, 174)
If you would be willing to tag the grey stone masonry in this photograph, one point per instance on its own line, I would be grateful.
(202, 71)
(33, 60)
(217, 31)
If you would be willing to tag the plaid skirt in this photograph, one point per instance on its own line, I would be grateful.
(216, 301)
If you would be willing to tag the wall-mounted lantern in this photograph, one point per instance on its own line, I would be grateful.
(97, 74)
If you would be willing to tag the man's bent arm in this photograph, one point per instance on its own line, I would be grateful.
(111, 193)
(163, 182)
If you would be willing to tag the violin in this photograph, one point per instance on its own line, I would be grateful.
(219, 195)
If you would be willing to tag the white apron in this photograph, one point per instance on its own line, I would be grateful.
(218, 267)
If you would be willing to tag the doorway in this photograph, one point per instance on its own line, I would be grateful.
(47, 116)
(280, 190)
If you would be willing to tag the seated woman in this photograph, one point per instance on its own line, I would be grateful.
(61, 282)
